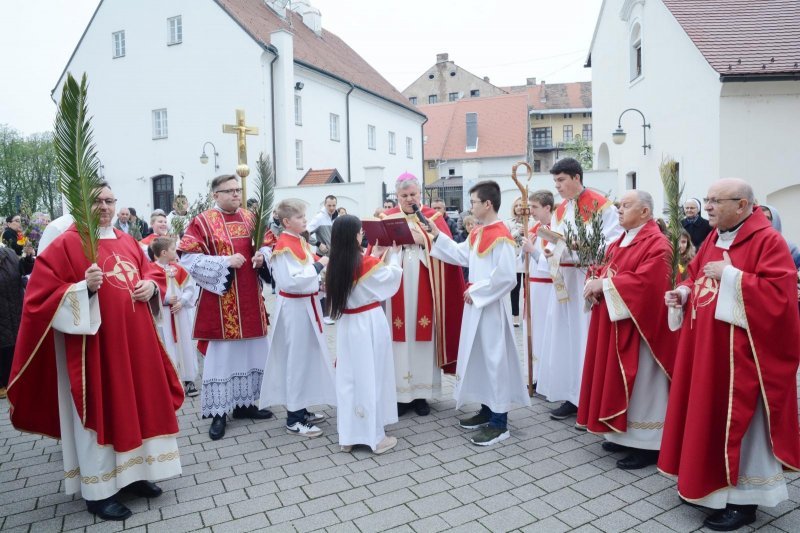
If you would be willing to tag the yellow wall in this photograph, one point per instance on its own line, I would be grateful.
(557, 123)
(431, 174)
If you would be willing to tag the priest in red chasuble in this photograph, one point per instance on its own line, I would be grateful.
(731, 427)
(89, 368)
(630, 351)
(231, 320)
(425, 314)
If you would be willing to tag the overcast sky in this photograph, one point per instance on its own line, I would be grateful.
(508, 41)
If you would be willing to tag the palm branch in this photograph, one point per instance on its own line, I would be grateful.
(264, 197)
(673, 191)
(76, 156)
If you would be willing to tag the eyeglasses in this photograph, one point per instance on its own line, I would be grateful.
(717, 201)
(473, 202)
(105, 201)
(230, 191)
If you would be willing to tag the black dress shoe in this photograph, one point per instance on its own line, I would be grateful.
(421, 407)
(403, 408)
(217, 429)
(108, 509)
(143, 489)
(252, 411)
(613, 447)
(731, 518)
(638, 459)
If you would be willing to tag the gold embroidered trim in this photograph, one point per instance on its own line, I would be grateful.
(757, 480)
(75, 306)
(133, 461)
(646, 425)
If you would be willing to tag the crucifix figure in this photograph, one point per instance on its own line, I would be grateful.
(241, 131)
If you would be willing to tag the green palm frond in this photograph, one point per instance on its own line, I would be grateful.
(673, 191)
(264, 196)
(78, 165)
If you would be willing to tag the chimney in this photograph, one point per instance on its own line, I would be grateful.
(311, 15)
(530, 82)
(278, 6)
(486, 79)
(442, 58)
(543, 93)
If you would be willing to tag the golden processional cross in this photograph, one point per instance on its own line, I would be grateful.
(241, 131)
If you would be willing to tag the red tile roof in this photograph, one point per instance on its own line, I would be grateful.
(326, 51)
(743, 37)
(321, 177)
(502, 127)
(575, 95)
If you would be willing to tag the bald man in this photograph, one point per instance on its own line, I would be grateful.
(630, 351)
(731, 426)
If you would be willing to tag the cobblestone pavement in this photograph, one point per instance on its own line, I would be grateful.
(547, 477)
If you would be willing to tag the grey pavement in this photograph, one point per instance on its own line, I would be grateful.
(547, 477)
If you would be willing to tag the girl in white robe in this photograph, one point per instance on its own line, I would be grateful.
(365, 381)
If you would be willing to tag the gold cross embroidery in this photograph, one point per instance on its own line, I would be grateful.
(424, 322)
(398, 323)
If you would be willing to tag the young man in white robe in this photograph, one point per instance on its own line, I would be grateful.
(567, 327)
(299, 370)
(541, 205)
(488, 370)
(176, 320)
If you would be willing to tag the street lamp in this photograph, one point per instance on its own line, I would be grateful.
(619, 135)
(204, 157)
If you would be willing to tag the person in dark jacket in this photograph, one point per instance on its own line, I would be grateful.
(695, 225)
(12, 235)
(10, 311)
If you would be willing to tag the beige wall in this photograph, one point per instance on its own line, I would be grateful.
(443, 83)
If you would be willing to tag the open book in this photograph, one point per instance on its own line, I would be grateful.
(388, 231)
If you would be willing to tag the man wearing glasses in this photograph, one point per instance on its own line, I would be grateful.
(231, 323)
(731, 426)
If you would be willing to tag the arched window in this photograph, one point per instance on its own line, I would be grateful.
(603, 162)
(163, 193)
(636, 51)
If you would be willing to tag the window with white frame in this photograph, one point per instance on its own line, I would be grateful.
(159, 124)
(409, 148)
(298, 110)
(298, 154)
(118, 43)
(174, 30)
(370, 136)
(334, 127)
(392, 143)
(636, 51)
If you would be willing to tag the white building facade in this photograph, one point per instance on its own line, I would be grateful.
(716, 116)
(165, 75)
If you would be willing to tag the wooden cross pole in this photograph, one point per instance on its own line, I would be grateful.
(241, 131)
(526, 212)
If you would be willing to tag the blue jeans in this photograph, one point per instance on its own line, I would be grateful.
(496, 420)
(292, 417)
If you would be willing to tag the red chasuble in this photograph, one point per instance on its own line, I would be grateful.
(589, 201)
(640, 275)
(123, 383)
(722, 370)
(442, 297)
(240, 312)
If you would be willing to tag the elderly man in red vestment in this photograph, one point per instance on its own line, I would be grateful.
(231, 320)
(425, 314)
(629, 352)
(731, 427)
(90, 370)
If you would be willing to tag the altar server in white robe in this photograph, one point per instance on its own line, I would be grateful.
(488, 370)
(299, 370)
(564, 343)
(541, 205)
(175, 325)
(357, 284)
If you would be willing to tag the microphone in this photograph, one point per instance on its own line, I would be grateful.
(420, 216)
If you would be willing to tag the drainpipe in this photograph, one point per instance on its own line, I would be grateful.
(272, 107)
(422, 145)
(347, 122)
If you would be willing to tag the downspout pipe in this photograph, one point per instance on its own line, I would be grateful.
(272, 107)
(347, 123)
(422, 145)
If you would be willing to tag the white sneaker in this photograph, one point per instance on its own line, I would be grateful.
(304, 430)
(314, 418)
(328, 320)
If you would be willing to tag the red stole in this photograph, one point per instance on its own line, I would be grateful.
(240, 312)
(440, 298)
(150, 238)
(123, 383)
(640, 274)
(588, 202)
(722, 370)
(534, 236)
(296, 246)
(368, 265)
(482, 239)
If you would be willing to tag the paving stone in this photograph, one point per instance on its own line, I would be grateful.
(352, 511)
(463, 515)
(323, 488)
(548, 525)
(315, 522)
(250, 523)
(432, 524)
(383, 520)
(217, 515)
(595, 486)
(498, 502)
(564, 498)
(575, 516)
(433, 504)
(319, 505)
(507, 519)
(682, 519)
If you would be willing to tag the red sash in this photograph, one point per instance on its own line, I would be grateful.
(362, 309)
(313, 303)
